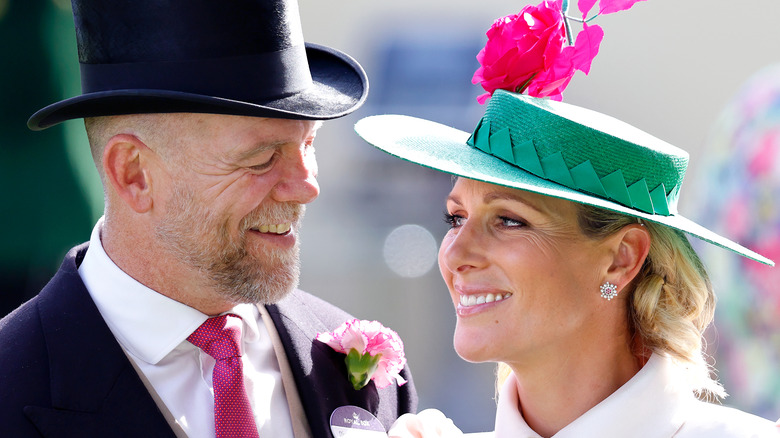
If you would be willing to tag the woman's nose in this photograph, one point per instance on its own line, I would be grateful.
(462, 250)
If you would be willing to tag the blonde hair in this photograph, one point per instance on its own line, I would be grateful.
(671, 300)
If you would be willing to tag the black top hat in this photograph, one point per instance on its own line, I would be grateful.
(239, 57)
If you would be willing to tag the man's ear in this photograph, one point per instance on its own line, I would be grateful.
(633, 245)
(126, 166)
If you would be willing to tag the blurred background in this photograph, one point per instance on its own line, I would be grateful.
(700, 74)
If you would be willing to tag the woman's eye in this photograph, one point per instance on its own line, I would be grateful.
(453, 220)
(511, 223)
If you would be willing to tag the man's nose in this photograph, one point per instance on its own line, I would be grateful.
(298, 182)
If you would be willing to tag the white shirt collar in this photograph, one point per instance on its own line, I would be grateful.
(654, 401)
(146, 323)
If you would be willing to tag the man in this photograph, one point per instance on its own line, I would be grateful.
(201, 116)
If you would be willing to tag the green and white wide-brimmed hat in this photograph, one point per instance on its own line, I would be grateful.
(554, 149)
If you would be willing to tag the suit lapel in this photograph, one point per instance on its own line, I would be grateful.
(320, 372)
(300, 423)
(95, 391)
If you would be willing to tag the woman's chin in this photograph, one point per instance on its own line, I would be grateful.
(472, 347)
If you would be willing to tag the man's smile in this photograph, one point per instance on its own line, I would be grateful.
(273, 229)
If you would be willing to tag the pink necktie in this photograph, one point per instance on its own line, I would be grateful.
(232, 411)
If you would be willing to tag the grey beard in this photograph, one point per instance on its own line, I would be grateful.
(202, 240)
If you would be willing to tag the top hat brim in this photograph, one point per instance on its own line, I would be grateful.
(339, 87)
(445, 149)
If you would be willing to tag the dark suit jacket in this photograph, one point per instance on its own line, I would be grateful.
(63, 374)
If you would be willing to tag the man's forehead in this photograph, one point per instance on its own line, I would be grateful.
(249, 121)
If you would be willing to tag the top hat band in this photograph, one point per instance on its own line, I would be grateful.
(281, 73)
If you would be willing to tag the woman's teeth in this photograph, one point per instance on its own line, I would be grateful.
(473, 300)
(276, 229)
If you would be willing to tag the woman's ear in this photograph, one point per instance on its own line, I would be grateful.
(126, 166)
(633, 245)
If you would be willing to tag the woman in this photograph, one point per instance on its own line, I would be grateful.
(567, 264)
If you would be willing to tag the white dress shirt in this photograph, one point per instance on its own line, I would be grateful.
(152, 329)
(655, 403)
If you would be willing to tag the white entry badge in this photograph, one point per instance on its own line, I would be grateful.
(355, 422)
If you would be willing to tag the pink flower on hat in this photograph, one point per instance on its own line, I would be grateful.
(531, 51)
(605, 6)
(374, 352)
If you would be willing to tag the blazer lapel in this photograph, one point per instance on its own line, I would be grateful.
(320, 372)
(300, 423)
(95, 391)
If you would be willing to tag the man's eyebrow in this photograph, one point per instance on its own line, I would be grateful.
(253, 151)
(262, 147)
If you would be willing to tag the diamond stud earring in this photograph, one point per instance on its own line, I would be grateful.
(608, 291)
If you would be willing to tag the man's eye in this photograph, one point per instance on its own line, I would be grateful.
(263, 166)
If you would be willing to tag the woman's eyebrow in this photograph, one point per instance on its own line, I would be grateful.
(453, 198)
(510, 196)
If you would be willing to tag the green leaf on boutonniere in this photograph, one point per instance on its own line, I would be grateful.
(361, 367)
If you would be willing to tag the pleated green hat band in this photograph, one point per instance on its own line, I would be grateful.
(583, 150)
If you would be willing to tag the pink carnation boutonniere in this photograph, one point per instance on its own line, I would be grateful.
(374, 352)
(535, 51)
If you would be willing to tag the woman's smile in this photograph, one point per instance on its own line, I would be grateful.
(474, 300)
